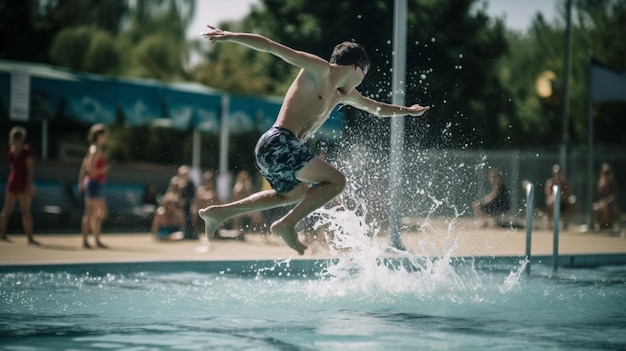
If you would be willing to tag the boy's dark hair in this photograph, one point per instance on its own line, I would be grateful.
(350, 53)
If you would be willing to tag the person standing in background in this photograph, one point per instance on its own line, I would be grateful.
(95, 175)
(20, 186)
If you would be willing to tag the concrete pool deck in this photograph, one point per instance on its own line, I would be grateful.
(464, 239)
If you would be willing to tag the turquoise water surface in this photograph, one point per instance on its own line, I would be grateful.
(439, 304)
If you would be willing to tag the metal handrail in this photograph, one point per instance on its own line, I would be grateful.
(530, 196)
(555, 226)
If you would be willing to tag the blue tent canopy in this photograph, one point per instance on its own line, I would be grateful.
(90, 102)
(249, 113)
(189, 106)
(92, 98)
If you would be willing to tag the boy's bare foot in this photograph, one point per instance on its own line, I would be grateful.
(86, 245)
(289, 235)
(212, 220)
(5, 238)
(101, 245)
(34, 242)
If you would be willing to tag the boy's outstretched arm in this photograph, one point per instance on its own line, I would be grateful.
(382, 109)
(260, 43)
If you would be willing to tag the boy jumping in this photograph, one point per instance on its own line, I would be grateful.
(280, 154)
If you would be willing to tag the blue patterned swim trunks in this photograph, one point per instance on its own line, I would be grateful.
(279, 156)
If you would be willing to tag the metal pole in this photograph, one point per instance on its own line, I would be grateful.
(397, 123)
(530, 198)
(567, 69)
(557, 219)
(590, 154)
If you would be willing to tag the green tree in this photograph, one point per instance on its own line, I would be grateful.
(86, 48)
(596, 27)
(155, 38)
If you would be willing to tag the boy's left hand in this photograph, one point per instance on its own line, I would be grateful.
(417, 110)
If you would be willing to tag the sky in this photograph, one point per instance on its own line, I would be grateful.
(518, 14)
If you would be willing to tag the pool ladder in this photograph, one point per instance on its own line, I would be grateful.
(530, 196)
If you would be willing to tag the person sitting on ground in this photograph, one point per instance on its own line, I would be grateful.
(568, 201)
(606, 209)
(169, 220)
(496, 203)
(296, 175)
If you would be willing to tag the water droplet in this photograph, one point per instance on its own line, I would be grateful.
(422, 76)
(432, 39)
(460, 55)
(358, 16)
(388, 42)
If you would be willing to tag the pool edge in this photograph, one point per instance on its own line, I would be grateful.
(299, 266)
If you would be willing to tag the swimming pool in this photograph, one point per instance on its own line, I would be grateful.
(416, 303)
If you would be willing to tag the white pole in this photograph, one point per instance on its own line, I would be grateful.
(397, 123)
(223, 179)
(44, 138)
(195, 156)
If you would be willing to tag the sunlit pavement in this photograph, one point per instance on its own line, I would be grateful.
(434, 238)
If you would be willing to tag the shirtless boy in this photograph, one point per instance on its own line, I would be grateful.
(280, 154)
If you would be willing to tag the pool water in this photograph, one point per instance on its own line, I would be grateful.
(450, 304)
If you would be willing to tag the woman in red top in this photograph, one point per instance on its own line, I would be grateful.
(20, 184)
(95, 175)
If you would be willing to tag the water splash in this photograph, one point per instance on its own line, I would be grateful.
(367, 267)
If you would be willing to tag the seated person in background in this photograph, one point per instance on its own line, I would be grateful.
(169, 219)
(606, 209)
(568, 201)
(206, 195)
(497, 202)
